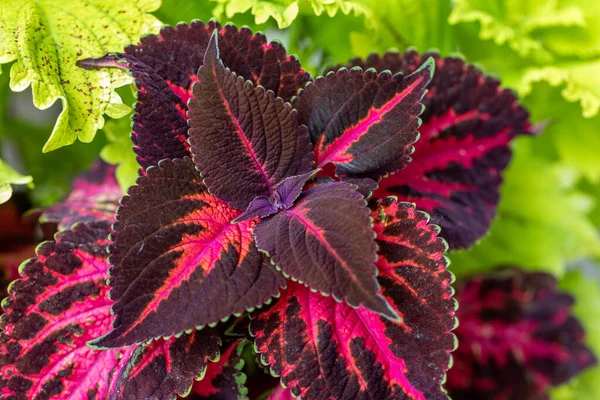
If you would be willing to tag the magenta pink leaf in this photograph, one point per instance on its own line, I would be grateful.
(325, 241)
(94, 196)
(224, 380)
(178, 261)
(457, 165)
(245, 141)
(363, 122)
(323, 349)
(517, 338)
(58, 305)
(163, 368)
(165, 67)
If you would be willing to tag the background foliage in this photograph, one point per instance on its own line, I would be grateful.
(548, 51)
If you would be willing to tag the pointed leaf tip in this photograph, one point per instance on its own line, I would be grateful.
(212, 50)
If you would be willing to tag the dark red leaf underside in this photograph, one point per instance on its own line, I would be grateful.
(163, 368)
(244, 139)
(58, 305)
(457, 165)
(363, 122)
(94, 197)
(325, 241)
(224, 380)
(165, 66)
(517, 337)
(178, 261)
(323, 349)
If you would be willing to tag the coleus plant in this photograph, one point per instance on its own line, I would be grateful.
(518, 337)
(259, 185)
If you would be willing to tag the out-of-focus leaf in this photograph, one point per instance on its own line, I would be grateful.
(8, 177)
(513, 22)
(542, 220)
(46, 39)
(587, 297)
(119, 151)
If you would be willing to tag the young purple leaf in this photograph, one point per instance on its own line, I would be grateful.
(244, 139)
(163, 368)
(283, 197)
(363, 122)
(260, 207)
(325, 241)
(457, 166)
(165, 67)
(58, 305)
(178, 261)
(323, 349)
(224, 379)
(94, 196)
(517, 338)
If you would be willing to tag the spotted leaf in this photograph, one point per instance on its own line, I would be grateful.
(517, 338)
(178, 261)
(457, 165)
(94, 196)
(163, 368)
(323, 349)
(58, 305)
(244, 139)
(224, 380)
(364, 123)
(165, 66)
(325, 241)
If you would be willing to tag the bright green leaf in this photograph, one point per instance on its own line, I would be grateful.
(587, 297)
(119, 151)
(515, 21)
(542, 220)
(46, 38)
(8, 177)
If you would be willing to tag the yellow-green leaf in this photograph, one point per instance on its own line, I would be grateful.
(119, 151)
(9, 176)
(46, 38)
(514, 21)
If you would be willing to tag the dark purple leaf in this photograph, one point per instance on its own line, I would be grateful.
(325, 241)
(363, 122)
(457, 165)
(323, 349)
(178, 261)
(165, 67)
(517, 338)
(245, 141)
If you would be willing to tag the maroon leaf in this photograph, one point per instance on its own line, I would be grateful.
(325, 241)
(165, 67)
(363, 122)
(164, 368)
(178, 261)
(458, 162)
(323, 349)
(52, 311)
(224, 380)
(94, 196)
(244, 139)
(517, 337)
(281, 393)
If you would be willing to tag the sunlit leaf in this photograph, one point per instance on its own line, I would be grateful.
(47, 38)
